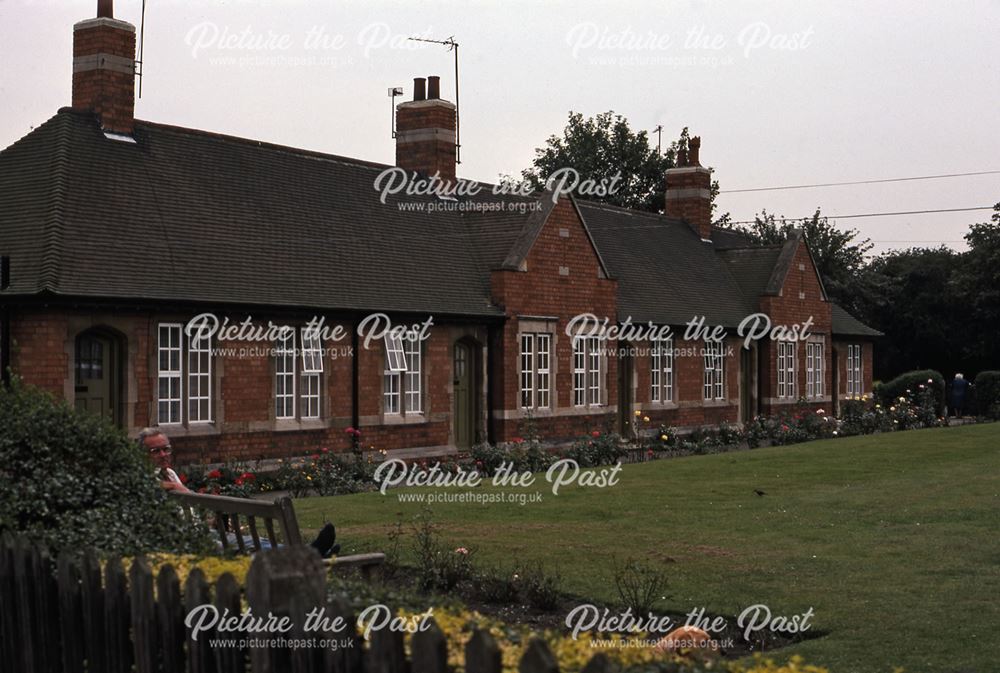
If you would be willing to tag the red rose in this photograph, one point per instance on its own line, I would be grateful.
(350, 431)
(248, 476)
(595, 433)
(315, 456)
(518, 440)
(324, 450)
(650, 453)
(183, 477)
(202, 489)
(357, 433)
(239, 481)
(214, 474)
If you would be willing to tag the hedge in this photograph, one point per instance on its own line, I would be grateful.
(987, 394)
(890, 391)
(72, 480)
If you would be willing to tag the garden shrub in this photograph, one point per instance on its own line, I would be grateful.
(496, 585)
(639, 586)
(888, 393)
(72, 480)
(525, 455)
(597, 449)
(987, 389)
(541, 587)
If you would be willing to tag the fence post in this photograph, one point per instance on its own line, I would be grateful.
(538, 658)
(143, 611)
(199, 653)
(227, 602)
(429, 650)
(482, 654)
(274, 577)
(92, 607)
(348, 656)
(117, 618)
(170, 618)
(70, 614)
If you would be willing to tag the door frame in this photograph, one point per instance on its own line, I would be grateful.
(475, 365)
(116, 368)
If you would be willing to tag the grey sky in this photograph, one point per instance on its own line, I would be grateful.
(863, 90)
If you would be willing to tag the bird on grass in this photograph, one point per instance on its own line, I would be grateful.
(759, 492)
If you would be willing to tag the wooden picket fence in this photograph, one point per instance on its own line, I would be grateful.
(75, 614)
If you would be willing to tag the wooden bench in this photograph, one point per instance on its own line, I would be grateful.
(227, 512)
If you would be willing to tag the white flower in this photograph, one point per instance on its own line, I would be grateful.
(820, 412)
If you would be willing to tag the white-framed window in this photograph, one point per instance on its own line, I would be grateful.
(199, 361)
(310, 382)
(661, 373)
(284, 375)
(855, 383)
(395, 357)
(402, 378)
(527, 371)
(414, 373)
(536, 372)
(184, 376)
(588, 375)
(169, 399)
(786, 369)
(814, 369)
(714, 380)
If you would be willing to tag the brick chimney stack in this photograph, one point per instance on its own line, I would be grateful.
(425, 131)
(689, 191)
(104, 69)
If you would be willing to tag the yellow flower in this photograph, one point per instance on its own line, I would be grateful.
(309, 477)
(645, 419)
(638, 413)
(663, 437)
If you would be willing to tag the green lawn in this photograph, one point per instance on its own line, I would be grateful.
(893, 540)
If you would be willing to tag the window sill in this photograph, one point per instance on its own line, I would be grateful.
(291, 424)
(194, 430)
(404, 419)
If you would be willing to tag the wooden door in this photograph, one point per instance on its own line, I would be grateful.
(464, 388)
(96, 375)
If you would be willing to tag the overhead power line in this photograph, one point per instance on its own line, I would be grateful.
(845, 217)
(859, 182)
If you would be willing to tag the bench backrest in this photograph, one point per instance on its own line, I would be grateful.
(230, 509)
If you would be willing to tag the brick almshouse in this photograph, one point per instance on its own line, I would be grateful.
(116, 232)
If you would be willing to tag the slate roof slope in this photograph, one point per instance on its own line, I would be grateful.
(846, 324)
(203, 217)
(665, 273)
(751, 267)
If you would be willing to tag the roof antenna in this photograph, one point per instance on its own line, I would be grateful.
(452, 46)
(142, 42)
(659, 139)
(393, 92)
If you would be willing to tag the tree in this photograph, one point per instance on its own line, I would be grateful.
(979, 279)
(604, 146)
(840, 255)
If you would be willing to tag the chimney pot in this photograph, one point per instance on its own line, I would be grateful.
(104, 69)
(105, 9)
(419, 88)
(689, 190)
(433, 87)
(695, 146)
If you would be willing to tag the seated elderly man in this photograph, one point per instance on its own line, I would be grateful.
(157, 444)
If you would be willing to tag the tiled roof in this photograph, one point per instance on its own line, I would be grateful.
(845, 324)
(188, 216)
(666, 274)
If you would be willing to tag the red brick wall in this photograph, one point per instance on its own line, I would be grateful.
(791, 308)
(542, 291)
(38, 352)
(688, 409)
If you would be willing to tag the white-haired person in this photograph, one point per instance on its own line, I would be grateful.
(157, 445)
(959, 394)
